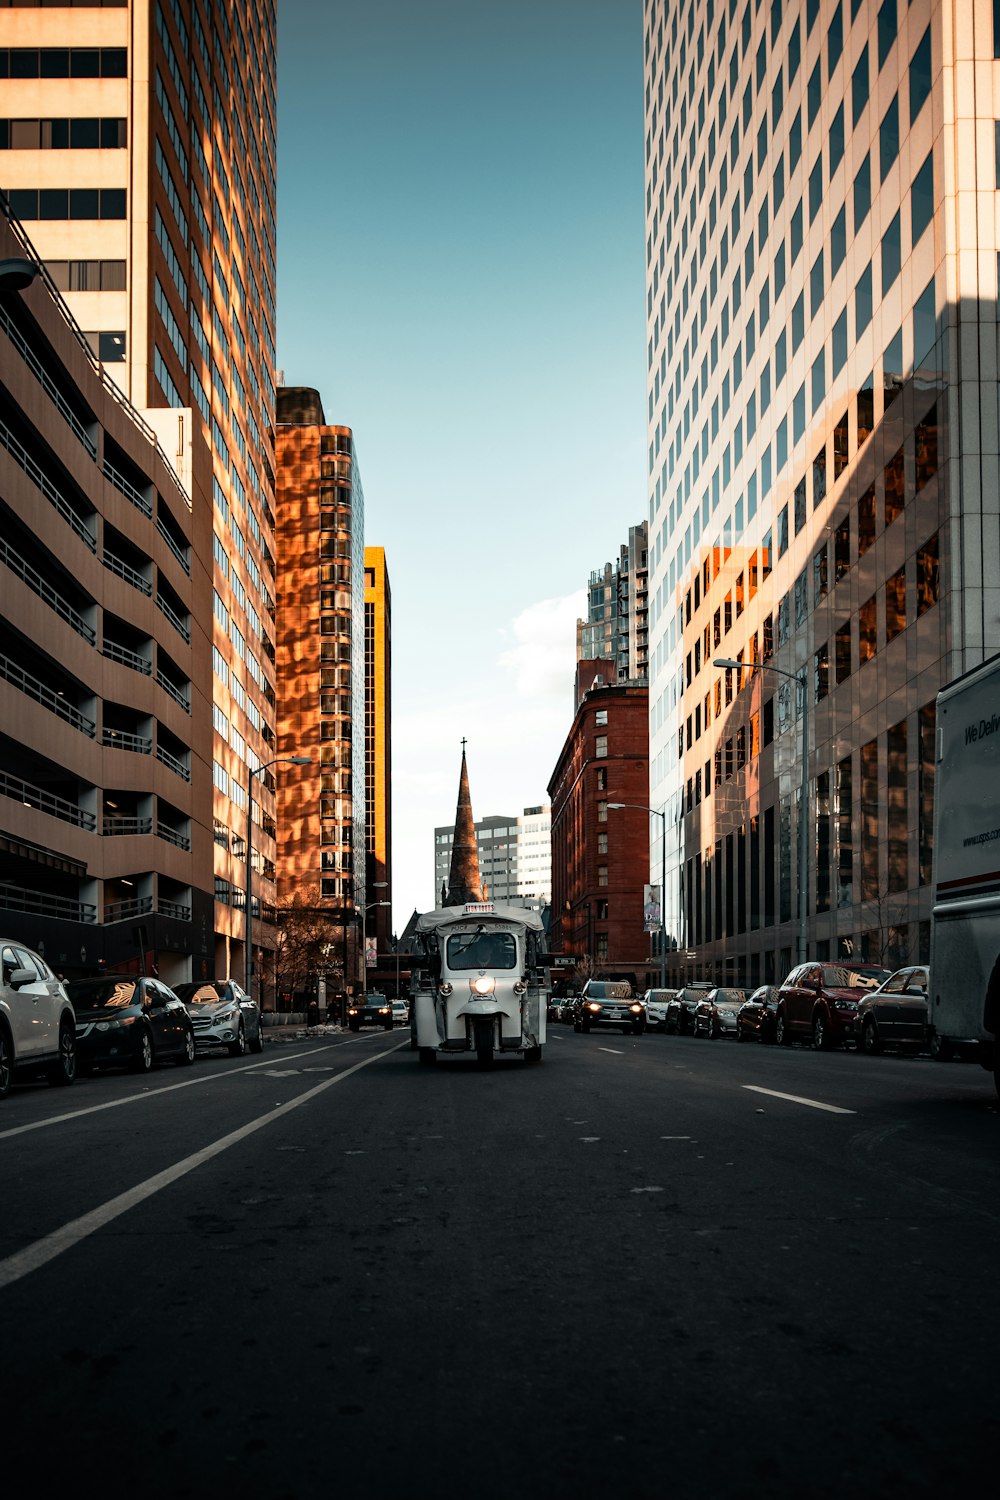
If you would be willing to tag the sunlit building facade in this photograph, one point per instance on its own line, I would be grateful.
(138, 147)
(821, 220)
(378, 746)
(321, 667)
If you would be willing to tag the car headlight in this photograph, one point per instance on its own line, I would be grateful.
(845, 1004)
(592, 1005)
(352, 1010)
(485, 984)
(224, 1019)
(637, 1009)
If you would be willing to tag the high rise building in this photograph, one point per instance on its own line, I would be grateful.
(321, 668)
(137, 145)
(616, 627)
(821, 274)
(378, 745)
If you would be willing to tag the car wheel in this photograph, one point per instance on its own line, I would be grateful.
(387, 1026)
(870, 1042)
(781, 1033)
(257, 1045)
(239, 1047)
(427, 1056)
(941, 1048)
(741, 1035)
(585, 1027)
(6, 1062)
(144, 1061)
(820, 1032)
(186, 1057)
(63, 1070)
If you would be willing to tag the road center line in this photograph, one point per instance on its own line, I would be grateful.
(32, 1257)
(613, 1050)
(833, 1109)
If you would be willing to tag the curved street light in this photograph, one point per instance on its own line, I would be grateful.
(657, 812)
(803, 881)
(279, 760)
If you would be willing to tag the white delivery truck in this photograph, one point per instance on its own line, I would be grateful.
(965, 930)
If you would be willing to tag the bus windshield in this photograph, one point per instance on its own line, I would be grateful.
(482, 950)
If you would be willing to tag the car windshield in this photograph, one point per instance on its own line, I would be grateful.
(836, 978)
(376, 1000)
(200, 994)
(102, 994)
(482, 950)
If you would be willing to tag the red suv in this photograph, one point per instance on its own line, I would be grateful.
(819, 1002)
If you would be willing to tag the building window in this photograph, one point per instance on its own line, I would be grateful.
(601, 716)
(895, 604)
(602, 812)
(920, 75)
(602, 843)
(602, 875)
(867, 631)
(922, 193)
(927, 575)
(859, 87)
(601, 746)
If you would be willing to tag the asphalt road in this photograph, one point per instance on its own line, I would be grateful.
(637, 1271)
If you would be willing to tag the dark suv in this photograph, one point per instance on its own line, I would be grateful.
(609, 1002)
(369, 1010)
(819, 1002)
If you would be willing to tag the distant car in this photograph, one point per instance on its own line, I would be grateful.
(715, 1014)
(756, 1016)
(655, 1002)
(609, 1002)
(224, 1015)
(567, 1009)
(682, 1005)
(552, 1009)
(819, 1002)
(400, 1012)
(369, 1010)
(37, 1025)
(128, 1020)
(895, 1015)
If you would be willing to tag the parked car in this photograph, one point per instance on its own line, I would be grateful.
(224, 1015)
(400, 1012)
(715, 1013)
(128, 1020)
(37, 1025)
(609, 1002)
(819, 1002)
(552, 1009)
(655, 1004)
(757, 1015)
(895, 1015)
(682, 1005)
(369, 1010)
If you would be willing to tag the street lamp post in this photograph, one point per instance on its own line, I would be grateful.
(289, 760)
(803, 881)
(372, 906)
(657, 812)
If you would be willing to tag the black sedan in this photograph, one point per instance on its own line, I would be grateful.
(125, 1020)
(756, 1016)
(895, 1015)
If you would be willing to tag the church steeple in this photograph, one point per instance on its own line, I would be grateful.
(464, 880)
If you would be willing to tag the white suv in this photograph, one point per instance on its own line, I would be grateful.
(37, 1024)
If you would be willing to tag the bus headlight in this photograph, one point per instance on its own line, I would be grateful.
(484, 985)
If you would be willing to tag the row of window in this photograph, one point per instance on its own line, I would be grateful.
(68, 203)
(63, 135)
(63, 62)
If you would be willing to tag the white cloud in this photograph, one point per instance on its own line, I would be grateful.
(543, 657)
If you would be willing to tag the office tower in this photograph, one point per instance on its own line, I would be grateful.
(821, 275)
(515, 861)
(321, 672)
(105, 667)
(137, 144)
(378, 745)
(616, 627)
(534, 856)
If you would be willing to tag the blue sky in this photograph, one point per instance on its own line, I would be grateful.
(461, 275)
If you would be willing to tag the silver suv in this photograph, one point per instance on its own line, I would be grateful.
(37, 1024)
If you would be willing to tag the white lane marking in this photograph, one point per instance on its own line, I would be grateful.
(169, 1088)
(590, 1138)
(613, 1050)
(675, 1137)
(647, 1190)
(42, 1251)
(833, 1109)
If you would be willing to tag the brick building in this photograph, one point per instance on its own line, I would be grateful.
(600, 858)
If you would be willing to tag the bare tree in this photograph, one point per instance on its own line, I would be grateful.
(886, 938)
(306, 943)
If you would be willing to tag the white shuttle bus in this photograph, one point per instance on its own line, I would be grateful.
(482, 985)
(965, 930)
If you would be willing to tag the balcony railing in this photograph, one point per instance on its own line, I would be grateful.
(127, 658)
(44, 904)
(174, 619)
(173, 909)
(173, 546)
(121, 911)
(37, 584)
(181, 840)
(55, 702)
(172, 763)
(174, 691)
(118, 739)
(122, 570)
(127, 488)
(116, 827)
(25, 462)
(42, 801)
(48, 386)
